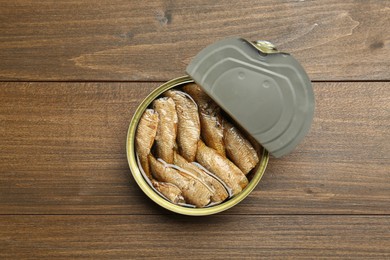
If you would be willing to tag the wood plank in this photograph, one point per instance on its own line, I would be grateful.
(134, 40)
(177, 237)
(62, 151)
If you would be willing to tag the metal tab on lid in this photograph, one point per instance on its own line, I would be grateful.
(267, 92)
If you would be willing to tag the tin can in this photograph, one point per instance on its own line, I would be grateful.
(265, 92)
(151, 192)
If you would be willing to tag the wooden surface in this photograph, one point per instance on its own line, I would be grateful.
(63, 151)
(213, 237)
(72, 74)
(134, 40)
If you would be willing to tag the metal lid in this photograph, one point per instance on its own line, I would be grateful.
(267, 92)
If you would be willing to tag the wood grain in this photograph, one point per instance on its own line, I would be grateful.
(65, 187)
(139, 41)
(63, 152)
(177, 237)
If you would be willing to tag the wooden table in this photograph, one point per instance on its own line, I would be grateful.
(72, 74)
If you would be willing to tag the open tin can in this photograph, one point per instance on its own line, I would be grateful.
(265, 92)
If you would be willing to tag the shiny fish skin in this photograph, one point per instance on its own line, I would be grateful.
(170, 191)
(212, 131)
(167, 128)
(210, 118)
(194, 192)
(146, 133)
(239, 149)
(222, 167)
(188, 128)
(200, 97)
(219, 192)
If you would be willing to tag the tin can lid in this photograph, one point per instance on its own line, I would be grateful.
(267, 92)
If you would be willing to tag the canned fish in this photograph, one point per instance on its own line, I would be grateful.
(185, 163)
(193, 145)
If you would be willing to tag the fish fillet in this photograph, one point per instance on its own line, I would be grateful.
(188, 128)
(146, 133)
(219, 193)
(222, 167)
(169, 190)
(239, 149)
(167, 128)
(210, 118)
(194, 191)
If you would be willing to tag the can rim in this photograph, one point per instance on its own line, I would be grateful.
(131, 158)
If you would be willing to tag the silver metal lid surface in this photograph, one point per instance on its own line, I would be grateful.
(268, 93)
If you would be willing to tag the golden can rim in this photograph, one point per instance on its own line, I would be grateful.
(131, 158)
